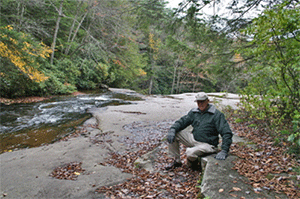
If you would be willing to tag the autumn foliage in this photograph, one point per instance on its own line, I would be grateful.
(21, 60)
(22, 54)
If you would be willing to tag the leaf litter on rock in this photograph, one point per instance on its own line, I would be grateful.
(179, 183)
(268, 167)
(69, 171)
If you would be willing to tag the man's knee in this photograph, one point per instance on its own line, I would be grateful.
(193, 154)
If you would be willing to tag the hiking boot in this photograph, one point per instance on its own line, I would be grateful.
(173, 165)
(195, 165)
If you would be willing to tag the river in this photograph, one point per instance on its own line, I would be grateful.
(35, 124)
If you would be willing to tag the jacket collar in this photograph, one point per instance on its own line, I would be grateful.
(211, 109)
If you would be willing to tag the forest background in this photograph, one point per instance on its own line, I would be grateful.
(50, 47)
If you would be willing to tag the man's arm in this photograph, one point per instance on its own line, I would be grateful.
(226, 133)
(179, 125)
(183, 122)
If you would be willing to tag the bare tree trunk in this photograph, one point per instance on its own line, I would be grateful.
(214, 8)
(56, 31)
(20, 14)
(150, 85)
(151, 78)
(84, 40)
(174, 79)
(195, 83)
(70, 35)
(76, 31)
(18, 9)
(174, 75)
(178, 82)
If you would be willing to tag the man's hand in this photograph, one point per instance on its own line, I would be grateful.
(171, 135)
(222, 155)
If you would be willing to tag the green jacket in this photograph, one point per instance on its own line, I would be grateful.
(207, 126)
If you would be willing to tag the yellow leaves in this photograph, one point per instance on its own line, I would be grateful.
(104, 69)
(9, 27)
(13, 40)
(237, 57)
(23, 55)
(45, 51)
(151, 41)
(7, 151)
(27, 45)
(16, 58)
(142, 72)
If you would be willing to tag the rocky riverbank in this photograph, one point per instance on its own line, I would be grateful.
(99, 156)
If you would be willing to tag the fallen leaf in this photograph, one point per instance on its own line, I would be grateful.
(77, 173)
(268, 161)
(256, 192)
(236, 189)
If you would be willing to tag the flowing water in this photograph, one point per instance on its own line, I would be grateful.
(35, 124)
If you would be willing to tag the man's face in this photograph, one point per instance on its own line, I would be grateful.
(202, 104)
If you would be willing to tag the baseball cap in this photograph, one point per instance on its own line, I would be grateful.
(201, 96)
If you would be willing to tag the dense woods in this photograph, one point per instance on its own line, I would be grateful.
(252, 47)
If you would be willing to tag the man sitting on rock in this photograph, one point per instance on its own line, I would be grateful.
(207, 123)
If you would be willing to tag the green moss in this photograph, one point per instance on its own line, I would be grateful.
(276, 141)
(258, 149)
(238, 120)
(252, 125)
(241, 143)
